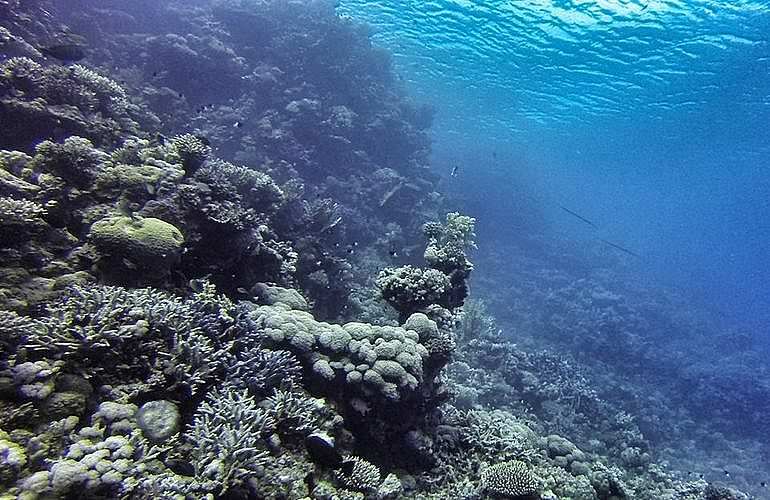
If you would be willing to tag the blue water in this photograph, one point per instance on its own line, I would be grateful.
(649, 118)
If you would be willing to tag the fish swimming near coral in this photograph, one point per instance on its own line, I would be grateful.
(65, 52)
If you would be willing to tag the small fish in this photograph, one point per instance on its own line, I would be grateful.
(763, 484)
(331, 225)
(574, 214)
(237, 124)
(727, 474)
(181, 467)
(160, 138)
(321, 449)
(154, 74)
(393, 254)
(123, 207)
(455, 171)
(128, 264)
(65, 52)
(242, 290)
(197, 285)
(181, 95)
(150, 188)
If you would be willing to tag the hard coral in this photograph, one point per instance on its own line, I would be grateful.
(148, 242)
(227, 435)
(409, 289)
(383, 363)
(191, 150)
(40, 101)
(359, 475)
(512, 480)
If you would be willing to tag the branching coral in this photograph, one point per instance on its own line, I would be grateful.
(359, 475)
(191, 150)
(76, 100)
(295, 413)
(409, 289)
(262, 370)
(252, 188)
(114, 334)
(509, 480)
(227, 434)
(19, 220)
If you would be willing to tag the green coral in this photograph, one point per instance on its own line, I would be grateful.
(13, 457)
(153, 242)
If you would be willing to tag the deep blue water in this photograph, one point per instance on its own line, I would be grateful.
(649, 118)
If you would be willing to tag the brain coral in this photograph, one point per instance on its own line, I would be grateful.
(151, 241)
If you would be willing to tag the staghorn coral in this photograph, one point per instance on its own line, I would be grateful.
(227, 433)
(144, 336)
(261, 370)
(76, 160)
(251, 188)
(13, 328)
(497, 434)
(19, 213)
(509, 480)
(20, 220)
(295, 413)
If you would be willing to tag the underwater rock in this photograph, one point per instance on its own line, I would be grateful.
(159, 420)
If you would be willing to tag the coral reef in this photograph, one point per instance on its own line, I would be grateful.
(211, 285)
